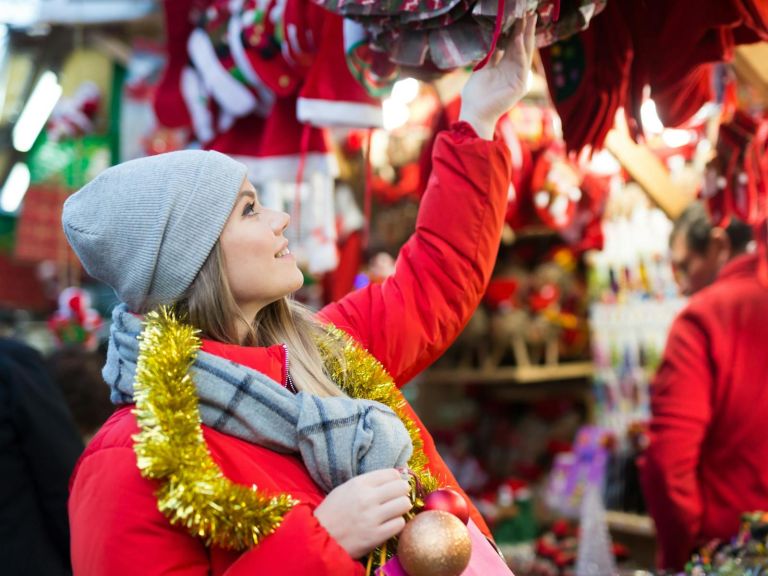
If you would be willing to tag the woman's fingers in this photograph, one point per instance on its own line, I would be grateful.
(513, 44)
(518, 43)
(522, 41)
(379, 477)
(394, 489)
(391, 528)
(497, 56)
(495, 88)
(393, 508)
(530, 35)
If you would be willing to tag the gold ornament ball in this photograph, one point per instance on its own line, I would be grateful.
(434, 543)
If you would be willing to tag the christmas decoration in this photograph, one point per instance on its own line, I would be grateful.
(21, 286)
(575, 473)
(556, 551)
(555, 188)
(627, 49)
(744, 555)
(39, 236)
(7, 233)
(539, 315)
(365, 377)
(231, 60)
(484, 560)
(586, 74)
(736, 182)
(595, 556)
(424, 39)
(170, 446)
(139, 133)
(449, 501)
(434, 543)
(509, 508)
(75, 116)
(75, 322)
(71, 162)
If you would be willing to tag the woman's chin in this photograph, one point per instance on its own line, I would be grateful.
(299, 282)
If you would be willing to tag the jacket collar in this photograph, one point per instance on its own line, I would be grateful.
(269, 360)
(743, 266)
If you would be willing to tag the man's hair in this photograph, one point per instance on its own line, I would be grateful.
(78, 373)
(697, 226)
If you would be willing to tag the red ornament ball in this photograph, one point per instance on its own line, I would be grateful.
(434, 543)
(449, 501)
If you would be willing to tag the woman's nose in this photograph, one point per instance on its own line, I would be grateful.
(282, 219)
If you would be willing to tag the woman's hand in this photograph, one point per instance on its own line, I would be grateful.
(494, 89)
(366, 510)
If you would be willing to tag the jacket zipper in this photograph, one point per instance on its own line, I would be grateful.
(288, 381)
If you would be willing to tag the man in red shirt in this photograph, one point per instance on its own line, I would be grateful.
(707, 461)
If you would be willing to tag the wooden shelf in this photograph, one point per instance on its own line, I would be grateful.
(751, 64)
(628, 523)
(648, 171)
(534, 231)
(511, 375)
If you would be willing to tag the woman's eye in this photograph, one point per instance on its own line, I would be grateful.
(249, 209)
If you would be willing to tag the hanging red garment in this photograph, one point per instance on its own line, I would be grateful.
(588, 75)
(754, 13)
(169, 103)
(329, 95)
(302, 79)
(341, 281)
(668, 46)
(679, 101)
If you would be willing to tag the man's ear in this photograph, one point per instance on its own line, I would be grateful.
(719, 244)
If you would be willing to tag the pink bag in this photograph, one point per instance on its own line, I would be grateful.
(485, 561)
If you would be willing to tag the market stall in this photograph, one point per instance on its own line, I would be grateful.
(542, 407)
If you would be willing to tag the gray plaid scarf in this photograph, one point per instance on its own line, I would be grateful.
(337, 437)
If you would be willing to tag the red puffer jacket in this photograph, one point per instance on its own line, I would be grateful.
(707, 461)
(406, 323)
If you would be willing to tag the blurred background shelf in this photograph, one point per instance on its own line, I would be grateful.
(627, 523)
(511, 375)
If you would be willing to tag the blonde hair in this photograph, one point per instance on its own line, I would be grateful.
(210, 306)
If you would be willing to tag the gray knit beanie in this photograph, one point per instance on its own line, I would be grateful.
(145, 227)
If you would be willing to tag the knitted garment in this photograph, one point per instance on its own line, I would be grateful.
(145, 227)
(338, 437)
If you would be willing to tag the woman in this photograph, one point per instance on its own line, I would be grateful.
(294, 476)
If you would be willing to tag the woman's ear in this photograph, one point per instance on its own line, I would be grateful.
(719, 245)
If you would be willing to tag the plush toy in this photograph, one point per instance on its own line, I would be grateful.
(509, 318)
(75, 116)
(75, 322)
(471, 345)
(509, 329)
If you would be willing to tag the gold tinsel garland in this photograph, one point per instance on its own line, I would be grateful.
(363, 376)
(170, 446)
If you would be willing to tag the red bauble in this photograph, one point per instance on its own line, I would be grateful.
(449, 501)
